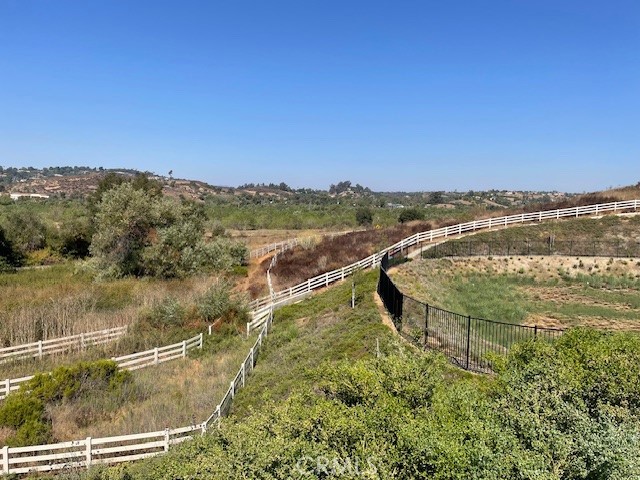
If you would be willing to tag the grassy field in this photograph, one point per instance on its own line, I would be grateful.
(544, 291)
(61, 300)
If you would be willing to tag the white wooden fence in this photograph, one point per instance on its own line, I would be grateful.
(133, 361)
(57, 345)
(86, 452)
(285, 245)
(124, 448)
(324, 280)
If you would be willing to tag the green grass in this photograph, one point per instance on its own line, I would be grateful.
(321, 328)
(525, 296)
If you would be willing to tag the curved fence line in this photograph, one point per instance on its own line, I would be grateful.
(324, 280)
(467, 341)
(131, 362)
(110, 450)
(62, 344)
(125, 448)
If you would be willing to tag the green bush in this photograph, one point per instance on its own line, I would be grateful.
(168, 313)
(562, 410)
(25, 411)
(364, 216)
(410, 214)
(10, 258)
(138, 233)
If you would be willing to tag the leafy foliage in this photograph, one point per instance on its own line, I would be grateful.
(364, 216)
(139, 233)
(563, 410)
(410, 214)
(25, 411)
(9, 257)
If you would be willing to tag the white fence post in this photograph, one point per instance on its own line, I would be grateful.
(88, 451)
(210, 327)
(201, 341)
(155, 356)
(252, 358)
(5, 459)
(232, 389)
(166, 439)
(184, 348)
(40, 349)
(243, 373)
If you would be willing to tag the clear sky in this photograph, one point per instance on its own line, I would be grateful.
(395, 95)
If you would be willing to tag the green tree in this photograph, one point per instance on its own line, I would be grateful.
(123, 224)
(139, 233)
(26, 231)
(410, 214)
(364, 216)
(9, 257)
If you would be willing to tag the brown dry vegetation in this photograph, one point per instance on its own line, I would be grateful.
(299, 264)
(174, 394)
(61, 301)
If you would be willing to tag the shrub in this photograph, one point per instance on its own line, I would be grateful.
(410, 214)
(138, 233)
(25, 411)
(168, 313)
(9, 256)
(364, 216)
(26, 232)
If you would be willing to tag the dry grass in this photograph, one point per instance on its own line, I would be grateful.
(59, 301)
(178, 393)
(299, 264)
(259, 238)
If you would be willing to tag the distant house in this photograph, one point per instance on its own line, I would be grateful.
(16, 196)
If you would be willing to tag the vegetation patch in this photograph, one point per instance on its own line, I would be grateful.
(95, 389)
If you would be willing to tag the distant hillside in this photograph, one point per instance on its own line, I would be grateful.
(79, 182)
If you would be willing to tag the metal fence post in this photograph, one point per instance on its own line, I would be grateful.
(468, 339)
(426, 324)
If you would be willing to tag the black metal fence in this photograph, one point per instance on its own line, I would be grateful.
(468, 248)
(468, 342)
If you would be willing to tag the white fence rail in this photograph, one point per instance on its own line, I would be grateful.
(57, 345)
(285, 245)
(124, 448)
(87, 452)
(324, 280)
(133, 361)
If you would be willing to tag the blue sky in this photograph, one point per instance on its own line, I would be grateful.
(425, 95)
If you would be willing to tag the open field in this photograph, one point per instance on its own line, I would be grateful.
(62, 300)
(545, 291)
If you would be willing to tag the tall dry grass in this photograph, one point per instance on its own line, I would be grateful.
(174, 394)
(58, 301)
